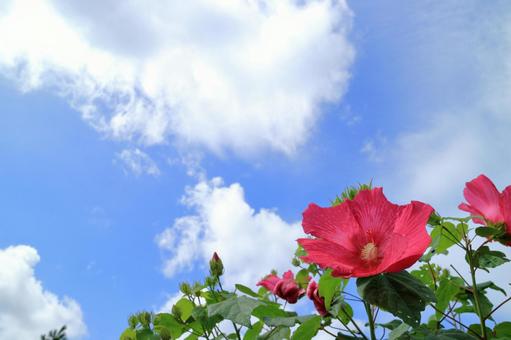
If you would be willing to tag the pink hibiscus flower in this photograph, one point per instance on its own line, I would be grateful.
(366, 236)
(486, 203)
(319, 302)
(285, 287)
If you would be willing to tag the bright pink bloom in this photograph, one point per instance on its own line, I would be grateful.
(319, 302)
(366, 236)
(285, 287)
(486, 203)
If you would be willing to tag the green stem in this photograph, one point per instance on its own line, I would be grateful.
(371, 320)
(474, 288)
(237, 331)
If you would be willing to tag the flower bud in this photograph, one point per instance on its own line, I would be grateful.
(133, 321)
(295, 262)
(145, 319)
(185, 288)
(165, 334)
(216, 267)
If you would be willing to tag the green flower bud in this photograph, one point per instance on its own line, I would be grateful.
(133, 321)
(295, 262)
(185, 288)
(216, 267)
(165, 334)
(145, 319)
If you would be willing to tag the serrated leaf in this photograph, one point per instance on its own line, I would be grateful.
(237, 309)
(487, 258)
(398, 293)
(308, 329)
(328, 287)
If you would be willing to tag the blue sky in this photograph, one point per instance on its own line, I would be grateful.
(115, 132)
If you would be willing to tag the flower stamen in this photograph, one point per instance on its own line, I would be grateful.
(369, 252)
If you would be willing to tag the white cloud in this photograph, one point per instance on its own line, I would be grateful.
(236, 75)
(250, 243)
(27, 310)
(469, 70)
(138, 162)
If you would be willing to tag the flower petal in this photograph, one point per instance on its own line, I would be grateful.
(506, 208)
(482, 195)
(328, 254)
(335, 224)
(269, 282)
(374, 213)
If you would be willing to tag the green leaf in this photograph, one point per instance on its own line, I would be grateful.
(165, 320)
(237, 309)
(391, 324)
(268, 311)
(444, 236)
(328, 286)
(308, 329)
(447, 290)
(278, 333)
(398, 293)
(491, 285)
(489, 232)
(398, 331)
(302, 278)
(487, 258)
(146, 334)
(476, 328)
(252, 333)
(185, 308)
(503, 329)
(342, 309)
(450, 334)
(288, 321)
(246, 290)
(200, 314)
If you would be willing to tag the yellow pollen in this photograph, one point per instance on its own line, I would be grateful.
(369, 253)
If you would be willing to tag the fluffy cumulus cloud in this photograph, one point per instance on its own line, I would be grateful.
(249, 242)
(27, 310)
(238, 75)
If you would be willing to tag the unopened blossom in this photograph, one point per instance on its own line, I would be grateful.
(319, 302)
(366, 236)
(286, 287)
(486, 204)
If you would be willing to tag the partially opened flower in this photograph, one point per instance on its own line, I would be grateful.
(319, 302)
(487, 205)
(286, 287)
(367, 235)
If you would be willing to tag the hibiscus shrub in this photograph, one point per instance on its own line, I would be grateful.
(364, 237)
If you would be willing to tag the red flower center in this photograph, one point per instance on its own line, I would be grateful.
(369, 252)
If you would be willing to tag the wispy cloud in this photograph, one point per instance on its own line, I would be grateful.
(137, 162)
